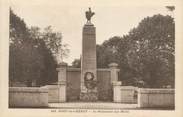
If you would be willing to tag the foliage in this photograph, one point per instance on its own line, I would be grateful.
(146, 55)
(25, 60)
(53, 41)
(76, 63)
(32, 53)
(152, 51)
(107, 52)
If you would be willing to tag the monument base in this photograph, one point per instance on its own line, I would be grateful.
(89, 97)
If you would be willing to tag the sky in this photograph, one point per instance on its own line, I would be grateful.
(69, 18)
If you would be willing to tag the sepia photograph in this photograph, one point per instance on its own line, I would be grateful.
(91, 58)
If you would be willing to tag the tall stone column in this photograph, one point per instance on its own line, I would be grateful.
(88, 64)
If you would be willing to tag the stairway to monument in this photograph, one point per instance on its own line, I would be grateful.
(92, 105)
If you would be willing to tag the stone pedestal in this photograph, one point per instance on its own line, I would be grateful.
(62, 75)
(88, 64)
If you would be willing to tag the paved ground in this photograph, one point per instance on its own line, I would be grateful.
(92, 105)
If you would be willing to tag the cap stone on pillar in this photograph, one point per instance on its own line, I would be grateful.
(62, 64)
(113, 65)
(116, 83)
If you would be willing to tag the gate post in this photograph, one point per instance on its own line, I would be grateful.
(115, 83)
(62, 76)
(116, 91)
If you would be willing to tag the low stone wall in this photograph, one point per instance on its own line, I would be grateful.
(28, 97)
(156, 98)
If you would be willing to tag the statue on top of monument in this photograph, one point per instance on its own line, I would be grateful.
(89, 14)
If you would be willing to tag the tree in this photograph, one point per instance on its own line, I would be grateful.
(18, 37)
(49, 73)
(18, 29)
(108, 52)
(32, 53)
(152, 51)
(25, 59)
(146, 55)
(115, 50)
(76, 63)
(53, 41)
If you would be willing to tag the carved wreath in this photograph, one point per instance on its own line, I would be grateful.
(89, 80)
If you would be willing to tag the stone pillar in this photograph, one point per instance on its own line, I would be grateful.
(116, 91)
(62, 75)
(88, 64)
(114, 72)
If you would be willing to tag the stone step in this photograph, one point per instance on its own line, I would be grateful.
(91, 105)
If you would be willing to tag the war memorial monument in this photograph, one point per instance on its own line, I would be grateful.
(89, 84)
